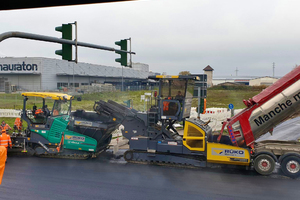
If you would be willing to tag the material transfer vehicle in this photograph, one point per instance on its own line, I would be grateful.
(59, 132)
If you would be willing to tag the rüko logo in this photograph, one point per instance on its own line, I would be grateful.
(18, 67)
(228, 152)
(234, 152)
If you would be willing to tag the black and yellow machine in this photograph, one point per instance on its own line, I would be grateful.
(153, 137)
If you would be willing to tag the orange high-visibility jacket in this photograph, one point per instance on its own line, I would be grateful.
(3, 153)
(5, 140)
(38, 111)
(18, 124)
(166, 105)
(6, 127)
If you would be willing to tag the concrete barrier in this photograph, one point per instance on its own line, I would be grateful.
(10, 113)
(215, 115)
(118, 140)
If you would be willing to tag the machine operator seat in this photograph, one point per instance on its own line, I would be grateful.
(46, 111)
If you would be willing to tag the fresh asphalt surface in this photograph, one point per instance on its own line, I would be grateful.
(114, 179)
(105, 178)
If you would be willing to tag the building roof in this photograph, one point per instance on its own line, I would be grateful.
(230, 84)
(266, 77)
(208, 68)
(240, 77)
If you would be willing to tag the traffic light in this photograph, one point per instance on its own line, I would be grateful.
(123, 59)
(66, 51)
(202, 106)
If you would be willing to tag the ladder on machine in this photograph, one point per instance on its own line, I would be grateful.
(151, 117)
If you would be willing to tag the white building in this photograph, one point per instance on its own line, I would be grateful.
(245, 80)
(232, 79)
(38, 74)
(267, 80)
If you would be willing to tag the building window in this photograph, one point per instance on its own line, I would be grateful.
(60, 85)
(76, 84)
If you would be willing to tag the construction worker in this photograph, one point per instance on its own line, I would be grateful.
(5, 126)
(2, 161)
(5, 140)
(179, 96)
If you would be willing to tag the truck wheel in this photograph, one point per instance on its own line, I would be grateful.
(264, 164)
(290, 166)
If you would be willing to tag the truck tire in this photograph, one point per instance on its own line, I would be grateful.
(264, 164)
(290, 166)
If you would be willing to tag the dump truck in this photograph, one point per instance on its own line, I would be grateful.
(153, 137)
(264, 111)
(59, 132)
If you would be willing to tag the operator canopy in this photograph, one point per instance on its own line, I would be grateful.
(170, 77)
(48, 95)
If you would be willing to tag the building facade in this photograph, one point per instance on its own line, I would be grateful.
(46, 74)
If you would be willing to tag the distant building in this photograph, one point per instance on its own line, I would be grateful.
(233, 79)
(230, 84)
(245, 80)
(267, 80)
(40, 74)
(208, 70)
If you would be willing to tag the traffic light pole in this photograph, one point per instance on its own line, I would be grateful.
(199, 101)
(16, 34)
(122, 80)
(76, 43)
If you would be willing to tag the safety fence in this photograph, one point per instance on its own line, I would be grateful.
(215, 115)
(10, 113)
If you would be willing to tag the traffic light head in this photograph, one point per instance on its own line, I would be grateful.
(203, 106)
(123, 59)
(66, 51)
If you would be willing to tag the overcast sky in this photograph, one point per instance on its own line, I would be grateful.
(171, 35)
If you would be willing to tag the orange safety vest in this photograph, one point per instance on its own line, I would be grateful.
(18, 124)
(3, 156)
(38, 111)
(166, 105)
(6, 127)
(5, 140)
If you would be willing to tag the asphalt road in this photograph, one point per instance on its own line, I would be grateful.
(104, 178)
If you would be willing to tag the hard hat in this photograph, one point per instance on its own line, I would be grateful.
(3, 131)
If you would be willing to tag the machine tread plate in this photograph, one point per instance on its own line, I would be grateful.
(67, 156)
(165, 159)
